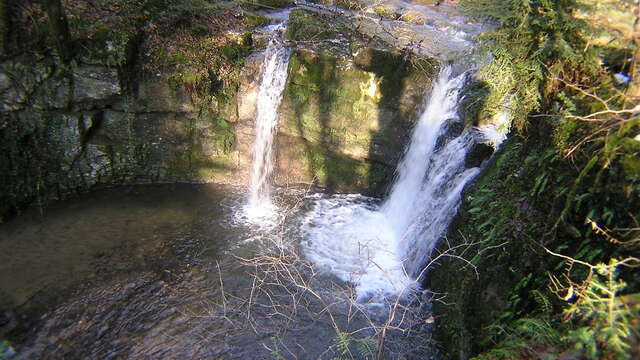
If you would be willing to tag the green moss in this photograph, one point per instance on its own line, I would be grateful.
(383, 12)
(255, 20)
(191, 163)
(265, 4)
(345, 4)
(335, 171)
(209, 169)
(322, 95)
(565, 131)
(237, 52)
(473, 102)
(332, 104)
(392, 68)
(348, 4)
(222, 136)
(308, 25)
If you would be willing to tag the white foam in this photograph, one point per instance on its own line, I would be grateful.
(496, 132)
(347, 235)
(382, 250)
(400, 207)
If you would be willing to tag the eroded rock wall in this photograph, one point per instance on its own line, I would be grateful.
(64, 132)
(345, 121)
(347, 109)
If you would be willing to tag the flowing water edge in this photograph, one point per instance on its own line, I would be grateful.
(382, 249)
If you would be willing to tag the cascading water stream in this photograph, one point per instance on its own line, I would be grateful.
(412, 169)
(426, 192)
(274, 78)
(382, 249)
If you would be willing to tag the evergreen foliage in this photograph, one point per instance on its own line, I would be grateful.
(568, 182)
(349, 347)
(605, 320)
(531, 36)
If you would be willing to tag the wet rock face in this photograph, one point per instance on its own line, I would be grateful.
(249, 88)
(93, 83)
(65, 132)
(155, 95)
(478, 155)
(347, 109)
(245, 111)
(344, 122)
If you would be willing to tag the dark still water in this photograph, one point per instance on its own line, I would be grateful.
(174, 271)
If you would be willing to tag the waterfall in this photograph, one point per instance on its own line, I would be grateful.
(274, 78)
(382, 249)
(429, 181)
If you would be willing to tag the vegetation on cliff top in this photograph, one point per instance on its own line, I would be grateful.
(556, 214)
(199, 43)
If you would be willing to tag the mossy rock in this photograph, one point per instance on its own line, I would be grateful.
(352, 116)
(513, 211)
(266, 4)
(309, 25)
(384, 12)
(472, 104)
(253, 20)
(300, 160)
(345, 4)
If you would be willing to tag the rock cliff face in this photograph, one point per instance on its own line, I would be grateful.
(347, 109)
(344, 120)
(65, 132)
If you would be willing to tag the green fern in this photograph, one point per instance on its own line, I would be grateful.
(275, 352)
(366, 347)
(520, 338)
(544, 305)
(343, 343)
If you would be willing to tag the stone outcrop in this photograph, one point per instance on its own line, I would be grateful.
(346, 114)
(94, 83)
(346, 120)
(63, 132)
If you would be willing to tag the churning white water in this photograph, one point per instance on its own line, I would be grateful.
(414, 166)
(274, 78)
(381, 249)
(429, 181)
